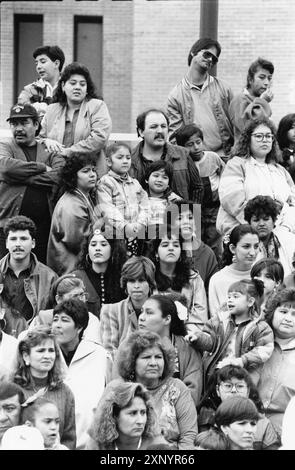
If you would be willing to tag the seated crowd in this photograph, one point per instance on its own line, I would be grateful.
(147, 293)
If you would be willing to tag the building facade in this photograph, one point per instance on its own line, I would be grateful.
(137, 49)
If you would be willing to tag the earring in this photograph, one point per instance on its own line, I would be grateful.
(156, 257)
(234, 259)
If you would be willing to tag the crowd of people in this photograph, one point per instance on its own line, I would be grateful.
(148, 293)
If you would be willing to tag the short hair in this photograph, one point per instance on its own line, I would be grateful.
(72, 165)
(30, 410)
(77, 310)
(75, 68)
(138, 342)
(212, 439)
(235, 236)
(114, 147)
(203, 43)
(281, 297)
(184, 133)
(251, 288)
(53, 52)
(235, 409)
(65, 284)
(34, 337)
(256, 65)
(20, 222)
(168, 307)
(243, 144)
(117, 396)
(177, 207)
(273, 267)
(260, 206)
(285, 125)
(160, 165)
(138, 267)
(10, 389)
(140, 120)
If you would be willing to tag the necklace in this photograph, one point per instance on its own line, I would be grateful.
(138, 445)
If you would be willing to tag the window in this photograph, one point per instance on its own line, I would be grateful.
(28, 35)
(88, 40)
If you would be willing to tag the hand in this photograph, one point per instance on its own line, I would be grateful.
(131, 230)
(234, 361)
(53, 146)
(291, 200)
(48, 168)
(192, 337)
(267, 95)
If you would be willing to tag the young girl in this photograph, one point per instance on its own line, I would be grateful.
(158, 177)
(238, 335)
(43, 415)
(286, 140)
(122, 199)
(271, 273)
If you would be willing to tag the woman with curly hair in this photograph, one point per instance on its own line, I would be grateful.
(173, 272)
(73, 214)
(100, 267)
(146, 359)
(228, 382)
(255, 170)
(39, 373)
(124, 419)
(277, 381)
(78, 122)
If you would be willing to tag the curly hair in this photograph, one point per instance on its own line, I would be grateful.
(182, 269)
(69, 172)
(75, 68)
(166, 304)
(116, 261)
(117, 396)
(243, 149)
(236, 235)
(285, 125)
(23, 375)
(226, 373)
(275, 301)
(137, 343)
(260, 206)
(20, 222)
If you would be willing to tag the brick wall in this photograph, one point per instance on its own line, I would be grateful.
(146, 45)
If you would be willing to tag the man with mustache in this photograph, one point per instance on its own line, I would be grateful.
(152, 127)
(28, 176)
(27, 283)
(203, 99)
(253, 102)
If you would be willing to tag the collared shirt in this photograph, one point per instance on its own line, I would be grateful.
(14, 292)
(204, 115)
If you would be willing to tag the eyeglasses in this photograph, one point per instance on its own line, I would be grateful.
(81, 296)
(228, 387)
(209, 55)
(260, 137)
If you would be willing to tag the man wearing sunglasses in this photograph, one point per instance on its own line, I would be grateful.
(203, 99)
(253, 102)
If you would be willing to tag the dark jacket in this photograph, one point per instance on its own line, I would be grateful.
(186, 182)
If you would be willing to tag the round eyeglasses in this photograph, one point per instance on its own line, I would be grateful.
(228, 387)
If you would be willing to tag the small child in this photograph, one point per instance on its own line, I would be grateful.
(237, 335)
(158, 177)
(122, 199)
(210, 167)
(43, 415)
(271, 272)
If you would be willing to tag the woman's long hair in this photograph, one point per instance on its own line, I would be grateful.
(35, 337)
(69, 173)
(115, 263)
(75, 68)
(182, 269)
(243, 145)
(168, 307)
(117, 396)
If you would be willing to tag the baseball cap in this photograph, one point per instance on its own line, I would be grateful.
(23, 111)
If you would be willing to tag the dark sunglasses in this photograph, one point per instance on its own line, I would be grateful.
(209, 55)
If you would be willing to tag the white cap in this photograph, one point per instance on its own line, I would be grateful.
(22, 438)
